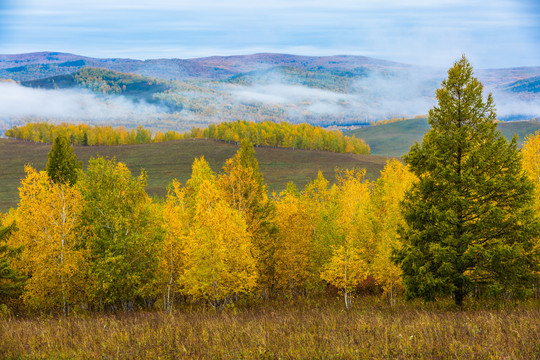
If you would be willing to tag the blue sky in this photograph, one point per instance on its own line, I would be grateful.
(492, 33)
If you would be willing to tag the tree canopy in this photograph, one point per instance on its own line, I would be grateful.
(11, 282)
(469, 220)
(62, 164)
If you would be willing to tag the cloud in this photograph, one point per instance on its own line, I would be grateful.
(380, 95)
(375, 97)
(279, 93)
(511, 107)
(17, 101)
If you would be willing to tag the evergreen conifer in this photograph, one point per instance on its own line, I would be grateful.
(469, 220)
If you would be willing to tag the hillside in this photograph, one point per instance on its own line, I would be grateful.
(320, 90)
(137, 88)
(168, 160)
(22, 67)
(529, 85)
(31, 66)
(396, 138)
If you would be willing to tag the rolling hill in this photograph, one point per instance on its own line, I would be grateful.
(136, 88)
(182, 93)
(31, 66)
(530, 85)
(395, 139)
(168, 160)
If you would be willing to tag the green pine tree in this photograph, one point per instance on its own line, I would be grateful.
(62, 166)
(11, 282)
(469, 223)
(246, 158)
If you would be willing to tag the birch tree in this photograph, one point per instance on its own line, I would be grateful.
(293, 243)
(178, 225)
(121, 234)
(244, 189)
(386, 218)
(218, 255)
(53, 259)
(349, 265)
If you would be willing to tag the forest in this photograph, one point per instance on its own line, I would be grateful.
(455, 225)
(267, 133)
(95, 240)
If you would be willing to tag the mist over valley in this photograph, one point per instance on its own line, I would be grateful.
(176, 94)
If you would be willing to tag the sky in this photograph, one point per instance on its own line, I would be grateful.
(492, 33)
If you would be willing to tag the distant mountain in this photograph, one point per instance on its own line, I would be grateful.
(137, 88)
(46, 64)
(32, 66)
(530, 85)
(23, 67)
(321, 90)
(500, 77)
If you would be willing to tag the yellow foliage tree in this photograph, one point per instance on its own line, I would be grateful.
(46, 218)
(243, 188)
(386, 217)
(293, 243)
(218, 255)
(531, 164)
(177, 222)
(349, 264)
(323, 209)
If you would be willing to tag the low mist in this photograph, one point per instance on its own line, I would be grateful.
(375, 97)
(17, 102)
(380, 95)
(512, 107)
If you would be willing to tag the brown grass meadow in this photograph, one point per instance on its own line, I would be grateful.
(166, 161)
(305, 329)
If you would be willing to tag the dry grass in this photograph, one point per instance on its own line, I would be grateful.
(307, 330)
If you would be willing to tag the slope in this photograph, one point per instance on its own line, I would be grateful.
(396, 138)
(168, 160)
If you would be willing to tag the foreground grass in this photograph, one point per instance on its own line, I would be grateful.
(289, 331)
(168, 160)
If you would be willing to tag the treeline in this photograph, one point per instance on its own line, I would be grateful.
(293, 136)
(95, 240)
(394, 120)
(84, 134)
(112, 82)
(284, 135)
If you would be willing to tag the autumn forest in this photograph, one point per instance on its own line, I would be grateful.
(453, 224)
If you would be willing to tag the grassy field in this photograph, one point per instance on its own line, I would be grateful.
(300, 330)
(165, 161)
(395, 139)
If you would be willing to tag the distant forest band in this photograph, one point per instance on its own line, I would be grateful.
(267, 133)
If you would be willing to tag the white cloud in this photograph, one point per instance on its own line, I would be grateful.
(373, 98)
(287, 94)
(19, 101)
(511, 106)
